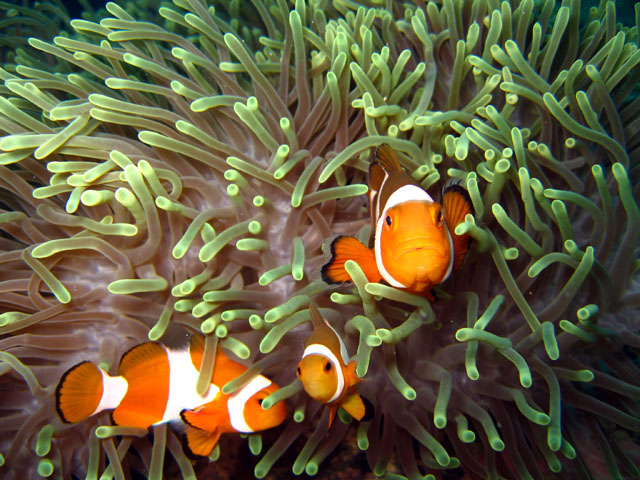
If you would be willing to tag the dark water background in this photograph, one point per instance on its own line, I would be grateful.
(624, 8)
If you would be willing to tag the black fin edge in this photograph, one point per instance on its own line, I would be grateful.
(131, 349)
(375, 156)
(435, 295)
(457, 187)
(325, 267)
(184, 420)
(187, 450)
(369, 410)
(59, 387)
(185, 442)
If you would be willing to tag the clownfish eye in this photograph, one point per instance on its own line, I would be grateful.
(327, 367)
(388, 220)
(440, 216)
(298, 371)
(260, 401)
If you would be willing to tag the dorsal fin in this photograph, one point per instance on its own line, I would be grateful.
(376, 176)
(323, 333)
(196, 349)
(196, 343)
(225, 369)
(316, 317)
(376, 179)
(388, 159)
(136, 360)
(146, 369)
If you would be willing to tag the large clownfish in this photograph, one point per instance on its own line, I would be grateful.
(415, 246)
(326, 373)
(156, 384)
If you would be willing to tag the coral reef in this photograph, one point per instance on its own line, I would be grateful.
(161, 175)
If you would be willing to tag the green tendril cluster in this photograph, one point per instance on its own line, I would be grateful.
(172, 170)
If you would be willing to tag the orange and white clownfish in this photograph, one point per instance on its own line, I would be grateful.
(326, 373)
(156, 384)
(415, 246)
(240, 411)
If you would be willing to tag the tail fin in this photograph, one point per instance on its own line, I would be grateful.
(79, 392)
(349, 248)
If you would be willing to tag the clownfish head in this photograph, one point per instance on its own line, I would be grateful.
(320, 377)
(414, 246)
(245, 407)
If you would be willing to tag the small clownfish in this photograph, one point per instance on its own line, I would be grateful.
(326, 373)
(415, 246)
(156, 384)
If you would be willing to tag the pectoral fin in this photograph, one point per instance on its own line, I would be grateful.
(201, 442)
(332, 415)
(206, 417)
(354, 405)
(351, 376)
(349, 248)
(457, 204)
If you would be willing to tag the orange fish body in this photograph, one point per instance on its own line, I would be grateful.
(325, 371)
(415, 246)
(156, 384)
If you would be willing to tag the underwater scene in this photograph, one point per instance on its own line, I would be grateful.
(328, 239)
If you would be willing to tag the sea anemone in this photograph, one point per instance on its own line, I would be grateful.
(162, 175)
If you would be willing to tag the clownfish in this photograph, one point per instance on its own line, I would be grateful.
(326, 373)
(415, 245)
(156, 384)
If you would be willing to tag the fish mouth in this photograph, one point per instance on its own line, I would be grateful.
(413, 247)
(427, 262)
(419, 243)
(422, 251)
(416, 249)
(430, 274)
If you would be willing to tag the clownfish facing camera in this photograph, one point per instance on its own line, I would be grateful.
(156, 384)
(326, 373)
(415, 245)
